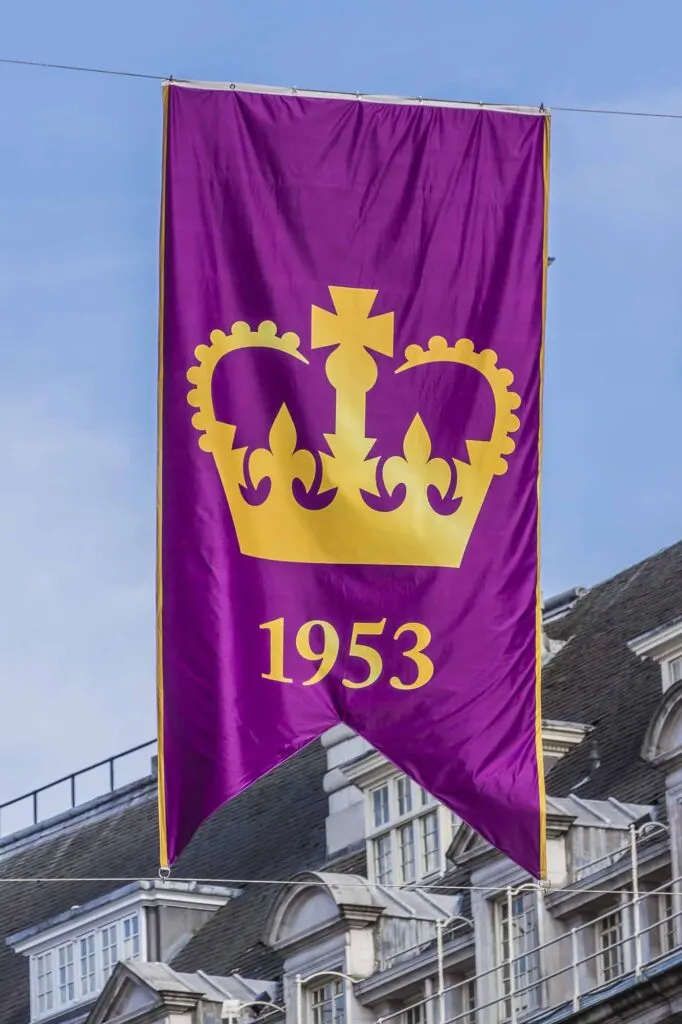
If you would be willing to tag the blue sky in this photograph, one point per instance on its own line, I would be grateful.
(79, 198)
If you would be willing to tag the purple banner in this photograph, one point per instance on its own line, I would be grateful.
(351, 337)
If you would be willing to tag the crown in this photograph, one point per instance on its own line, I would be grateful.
(344, 506)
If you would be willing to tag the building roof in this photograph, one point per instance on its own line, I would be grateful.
(233, 938)
(252, 837)
(162, 978)
(593, 678)
(604, 814)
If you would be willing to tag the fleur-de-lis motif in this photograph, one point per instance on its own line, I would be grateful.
(282, 462)
(415, 468)
(346, 527)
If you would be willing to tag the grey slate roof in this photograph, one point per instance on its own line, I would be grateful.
(232, 939)
(278, 826)
(596, 679)
(250, 838)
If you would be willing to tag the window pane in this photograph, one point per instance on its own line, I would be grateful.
(87, 965)
(408, 866)
(327, 1003)
(430, 842)
(415, 1014)
(44, 983)
(610, 937)
(383, 860)
(404, 787)
(380, 806)
(469, 1002)
(675, 668)
(109, 946)
(667, 922)
(67, 989)
(131, 938)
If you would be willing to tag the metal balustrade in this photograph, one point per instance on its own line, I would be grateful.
(444, 931)
(589, 968)
(591, 971)
(634, 938)
(607, 860)
(65, 791)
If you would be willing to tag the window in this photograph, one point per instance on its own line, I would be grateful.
(131, 938)
(404, 788)
(327, 1003)
(381, 806)
(524, 952)
(77, 971)
(44, 982)
(408, 865)
(65, 979)
(414, 1014)
(383, 860)
(109, 947)
(666, 925)
(407, 831)
(87, 965)
(610, 947)
(430, 842)
(469, 1001)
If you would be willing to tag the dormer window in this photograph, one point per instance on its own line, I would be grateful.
(75, 971)
(72, 955)
(663, 645)
(405, 832)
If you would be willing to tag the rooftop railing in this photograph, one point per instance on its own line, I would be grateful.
(632, 940)
(70, 791)
(607, 860)
(443, 931)
(549, 982)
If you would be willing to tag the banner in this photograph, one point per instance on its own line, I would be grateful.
(350, 397)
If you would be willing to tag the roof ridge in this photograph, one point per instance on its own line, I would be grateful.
(636, 567)
(70, 821)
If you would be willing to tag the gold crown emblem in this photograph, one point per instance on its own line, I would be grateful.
(348, 530)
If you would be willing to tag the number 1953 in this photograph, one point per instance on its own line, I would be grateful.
(325, 652)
